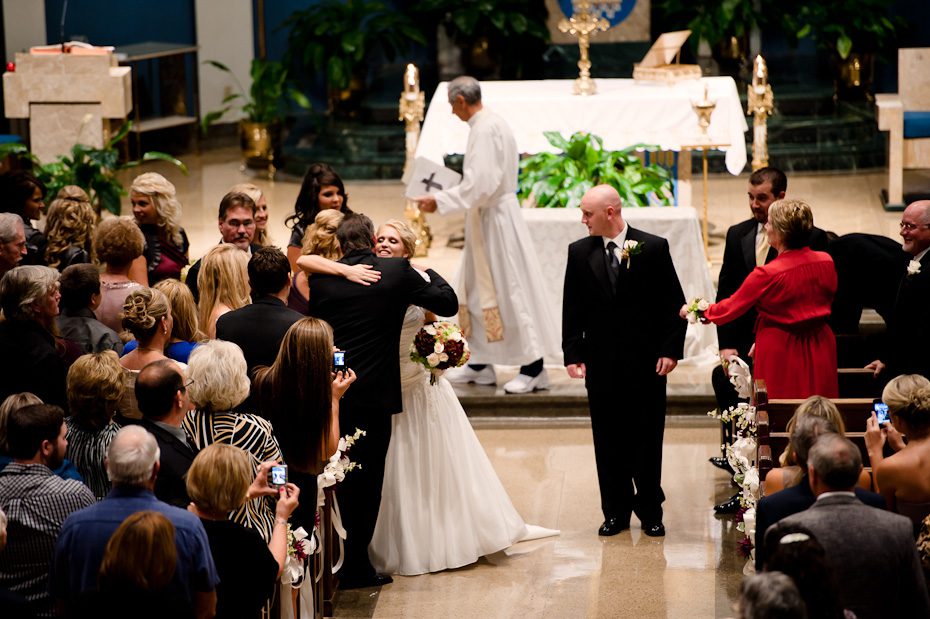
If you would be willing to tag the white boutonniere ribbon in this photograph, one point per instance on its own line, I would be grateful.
(630, 248)
(913, 268)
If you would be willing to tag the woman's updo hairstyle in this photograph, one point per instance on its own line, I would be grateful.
(320, 237)
(916, 413)
(792, 219)
(142, 311)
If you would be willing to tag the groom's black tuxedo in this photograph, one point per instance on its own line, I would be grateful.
(366, 323)
(619, 334)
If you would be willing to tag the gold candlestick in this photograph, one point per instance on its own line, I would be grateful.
(704, 110)
(760, 102)
(412, 106)
(583, 24)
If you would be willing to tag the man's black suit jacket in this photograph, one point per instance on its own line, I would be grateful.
(175, 460)
(909, 329)
(191, 278)
(367, 320)
(257, 329)
(739, 260)
(621, 334)
(792, 500)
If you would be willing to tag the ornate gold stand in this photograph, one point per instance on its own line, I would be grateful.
(760, 102)
(412, 106)
(583, 24)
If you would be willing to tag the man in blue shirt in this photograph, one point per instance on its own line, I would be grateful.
(132, 464)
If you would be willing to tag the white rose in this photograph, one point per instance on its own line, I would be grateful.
(629, 244)
(443, 357)
(438, 347)
(703, 305)
(455, 336)
(913, 267)
(433, 360)
(749, 519)
(430, 329)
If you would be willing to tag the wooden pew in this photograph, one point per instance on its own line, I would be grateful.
(858, 383)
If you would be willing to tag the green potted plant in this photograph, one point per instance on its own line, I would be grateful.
(561, 179)
(494, 36)
(339, 38)
(92, 169)
(263, 106)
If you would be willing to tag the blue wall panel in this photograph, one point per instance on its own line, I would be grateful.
(112, 22)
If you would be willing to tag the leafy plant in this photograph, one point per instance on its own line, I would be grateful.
(561, 179)
(92, 169)
(714, 21)
(270, 90)
(340, 37)
(844, 26)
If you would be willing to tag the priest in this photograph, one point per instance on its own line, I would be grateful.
(504, 313)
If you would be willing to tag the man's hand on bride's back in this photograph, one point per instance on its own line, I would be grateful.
(341, 382)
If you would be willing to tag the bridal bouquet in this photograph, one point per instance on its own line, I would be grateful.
(439, 346)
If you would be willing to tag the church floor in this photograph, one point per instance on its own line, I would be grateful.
(549, 470)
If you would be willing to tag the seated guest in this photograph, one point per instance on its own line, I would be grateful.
(218, 384)
(319, 240)
(24, 195)
(147, 315)
(36, 500)
(790, 472)
(161, 393)
(138, 566)
(903, 478)
(12, 242)
(259, 328)
(67, 470)
(80, 296)
(223, 283)
(770, 595)
(31, 361)
(799, 496)
(13, 604)
(237, 227)
(132, 463)
(219, 483)
(300, 394)
(261, 237)
(870, 552)
(95, 388)
(118, 242)
(185, 328)
(69, 227)
(158, 213)
(796, 553)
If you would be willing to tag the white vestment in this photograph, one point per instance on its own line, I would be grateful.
(488, 191)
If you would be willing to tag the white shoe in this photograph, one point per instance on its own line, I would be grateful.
(527, 384)
(465, 375)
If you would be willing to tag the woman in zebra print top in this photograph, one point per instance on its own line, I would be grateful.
(217, 370)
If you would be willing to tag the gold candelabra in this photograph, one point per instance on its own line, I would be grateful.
(412, 106)
(585, 22)
(704, 110)
(760, 102)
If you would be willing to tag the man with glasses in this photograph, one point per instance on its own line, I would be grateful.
(908, 349)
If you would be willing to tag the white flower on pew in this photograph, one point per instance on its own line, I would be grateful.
(751, 483)
(741, 453)
(740, 376)
(913, 268)
(300, 546)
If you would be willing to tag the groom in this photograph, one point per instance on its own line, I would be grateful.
(622, 334)
(366, 322)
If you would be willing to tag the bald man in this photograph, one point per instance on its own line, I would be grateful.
(622, 335)
(908, 349)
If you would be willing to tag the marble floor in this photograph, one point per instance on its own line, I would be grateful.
(549, 470)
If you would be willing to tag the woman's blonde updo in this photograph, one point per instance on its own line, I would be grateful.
(793, 220)
(70, 221)
(320, 237)
(142, 311)
(164, 197)
(908, 397)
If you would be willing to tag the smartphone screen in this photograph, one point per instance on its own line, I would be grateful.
(881, 412)
(339, 361)
(278, 475)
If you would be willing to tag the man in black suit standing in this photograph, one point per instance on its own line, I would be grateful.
(909, 329)
(162, 398)
(259, 328)
(236, 221)
(366, 323)
(622, 334)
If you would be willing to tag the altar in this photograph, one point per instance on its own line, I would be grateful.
(552, 230)
(623, 112)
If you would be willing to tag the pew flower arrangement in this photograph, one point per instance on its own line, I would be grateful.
(439, 346)
(300, 546)
(696, 308)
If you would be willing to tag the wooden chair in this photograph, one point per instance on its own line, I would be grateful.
(906, 116)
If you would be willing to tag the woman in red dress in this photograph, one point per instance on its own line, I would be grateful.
(795, 350)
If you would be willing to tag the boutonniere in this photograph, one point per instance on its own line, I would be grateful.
(630, 248)
(913, 268)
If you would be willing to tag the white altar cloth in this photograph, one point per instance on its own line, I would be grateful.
(552, 230)
(623, 112)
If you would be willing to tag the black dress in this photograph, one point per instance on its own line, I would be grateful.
(248, 571)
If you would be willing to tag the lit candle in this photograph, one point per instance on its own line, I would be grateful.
(411, 82)
(759, 75)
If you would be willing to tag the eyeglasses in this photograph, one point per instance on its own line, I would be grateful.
(187, 384)
(911, 227)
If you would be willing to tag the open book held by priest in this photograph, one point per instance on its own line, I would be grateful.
(428, 177)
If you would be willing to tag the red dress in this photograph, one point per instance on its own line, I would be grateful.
(795, 348)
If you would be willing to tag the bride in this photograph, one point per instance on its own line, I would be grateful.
(442, 504)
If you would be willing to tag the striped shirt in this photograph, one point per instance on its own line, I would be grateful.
(36, 502)
(88, 450)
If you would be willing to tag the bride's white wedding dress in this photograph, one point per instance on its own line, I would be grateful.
(442, 504)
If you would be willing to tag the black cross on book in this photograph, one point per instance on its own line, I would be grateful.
(429, 182)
